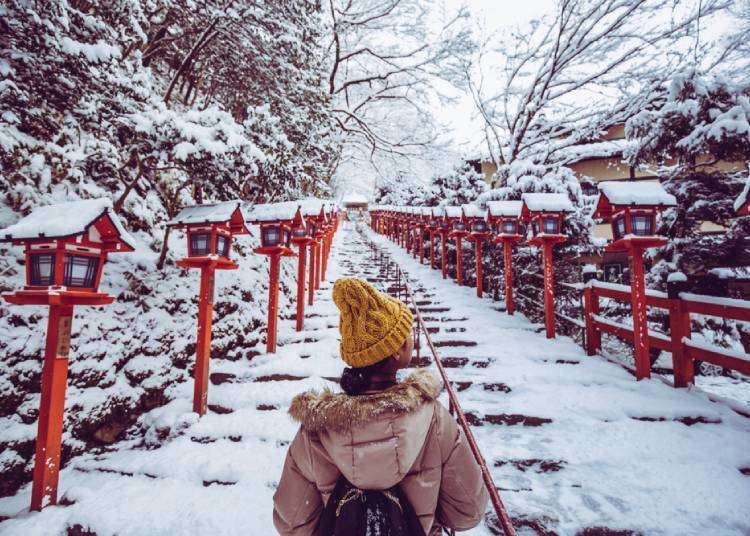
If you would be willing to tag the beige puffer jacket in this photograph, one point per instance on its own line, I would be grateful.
(399, 435)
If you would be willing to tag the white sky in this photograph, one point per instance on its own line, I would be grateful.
(462, 126)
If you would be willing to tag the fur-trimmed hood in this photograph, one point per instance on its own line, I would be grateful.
(339, 411)
(373, 439)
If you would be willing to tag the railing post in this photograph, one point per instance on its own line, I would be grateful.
(459, 262)
(679, 329)
(508, 275)
(549, 290)
(478, 260)
(443, 255)
(593, 336)
(641, 351)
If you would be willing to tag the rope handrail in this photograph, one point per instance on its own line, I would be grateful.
(489, 483)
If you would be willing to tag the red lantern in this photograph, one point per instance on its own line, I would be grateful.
(276, 229)
(477, 223)
(209, 230)
(544, 214)
(302, 237)
(66, 246)
(505, 219)
(631, 208)
(459, 230)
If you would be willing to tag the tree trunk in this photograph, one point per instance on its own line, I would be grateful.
(164, 250)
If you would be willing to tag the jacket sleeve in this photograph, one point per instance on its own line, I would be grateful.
(463, 497)
(297, 503)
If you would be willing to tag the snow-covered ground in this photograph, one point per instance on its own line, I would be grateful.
(590, 446)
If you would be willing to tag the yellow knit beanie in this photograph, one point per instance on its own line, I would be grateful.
(373, 325)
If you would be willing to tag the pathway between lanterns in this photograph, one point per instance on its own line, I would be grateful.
(574, 442)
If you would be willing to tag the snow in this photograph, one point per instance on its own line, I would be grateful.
(505, 208)
(210, 213)
(285, 210)
(676, 277)
(470, 210)
(702, 345)
(589, 269)
(452, 211)
(176, 474)
(543, 202)
(742, 199)
(734, 272)
(715, 300)
(637, 193)
(65, 219)
(354, 199)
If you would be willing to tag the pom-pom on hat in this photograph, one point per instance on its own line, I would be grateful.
(373, 326)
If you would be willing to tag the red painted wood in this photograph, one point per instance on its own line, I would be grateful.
(432, 249)
(549, 290)
(421, 245)
(679, 328)
(444, 254)
(478, 259)
(510, 305)
(459, 262)
(273, 303)
(719, 359)
(414, 233)
(591, 308)
(318, 263)
(51, 407)
(203, 342)
(311, 284)
(301, 273)
(640, 320)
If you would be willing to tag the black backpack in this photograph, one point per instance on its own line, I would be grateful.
(354, 512)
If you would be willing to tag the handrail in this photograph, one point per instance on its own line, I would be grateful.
(489, 483)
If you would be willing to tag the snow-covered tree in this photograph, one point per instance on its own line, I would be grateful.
(573, 74)
(461, 185)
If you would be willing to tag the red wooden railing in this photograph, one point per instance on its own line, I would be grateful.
(678, 342)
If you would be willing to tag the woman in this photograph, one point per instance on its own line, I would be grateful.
(379, 433)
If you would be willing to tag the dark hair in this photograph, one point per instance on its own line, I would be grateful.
(355, 381)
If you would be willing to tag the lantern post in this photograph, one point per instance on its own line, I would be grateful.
(302, 238)
(66, 246)
(505, 218)
(631, 208)
(446, 225)
(544, 213)
(423, 223)
(275, 221)
(459, 233)
(416, 227)
(434, 227)
(209, 230)
(476, 221)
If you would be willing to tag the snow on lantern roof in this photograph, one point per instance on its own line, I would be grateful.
(452, 211)
(742, 203)
(505, 208)
(285, 210)
(637, 193)
(536, 202)
(64, 220)
(470, 210)
(354, 199)
(209, 213)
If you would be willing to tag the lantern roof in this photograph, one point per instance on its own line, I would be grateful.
(631, 193)
(452, 211)
(437, 212)
(470, 210)
(742, 203)
(67, 220)
(285, 210)
(543, 202)
(227, 212)
(507, 209)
